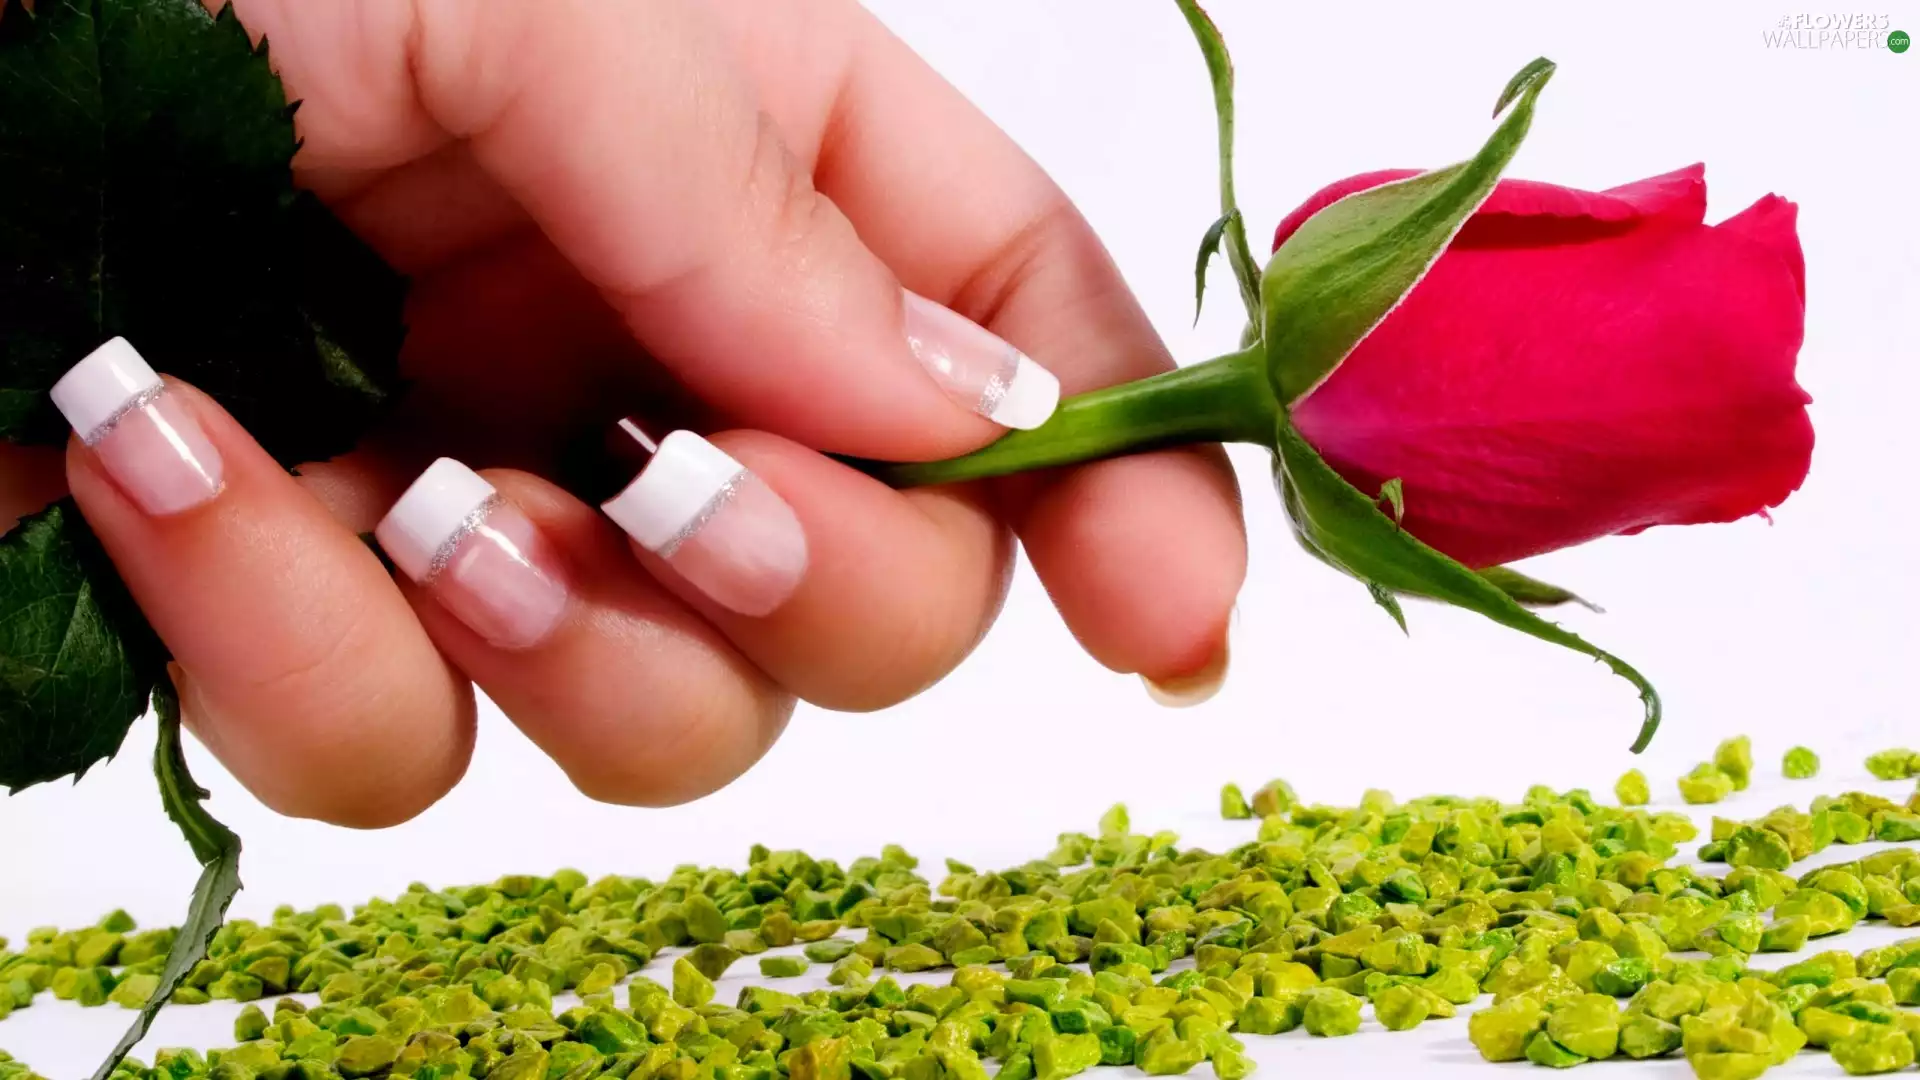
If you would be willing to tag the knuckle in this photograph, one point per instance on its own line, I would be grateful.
(785, 212)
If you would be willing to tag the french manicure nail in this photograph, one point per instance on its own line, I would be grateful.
(977, 369)
(477, 554)
(149, 443)
(718, 525)
(1185, 691)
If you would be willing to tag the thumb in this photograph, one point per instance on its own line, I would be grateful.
(637, 144)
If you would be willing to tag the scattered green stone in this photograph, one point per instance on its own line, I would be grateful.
(828, 950)
(1800, 763)
(1705, 784)
(1631, 789)
(783, 967)
(1874, 1049)
(1170, 1056)
(691, 986)
(1735, 758)
(1899, 764)
(1401, 1007)
(1542, 1050)
(1330, 1012)
(1643, 1036)
(1233, 805)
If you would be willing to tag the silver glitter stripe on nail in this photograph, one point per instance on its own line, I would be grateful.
(443, 554)
(708, 509)
(998, 384)
(138, 401)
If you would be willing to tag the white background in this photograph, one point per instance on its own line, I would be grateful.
(1798, 631)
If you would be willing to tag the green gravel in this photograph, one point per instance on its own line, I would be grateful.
(1117, 948)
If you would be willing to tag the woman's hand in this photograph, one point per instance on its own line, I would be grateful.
(629, 206)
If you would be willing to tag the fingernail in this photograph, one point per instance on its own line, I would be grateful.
(977, 369)
(1184, 691)
(149, 443)
(477, 554)
(718, 525)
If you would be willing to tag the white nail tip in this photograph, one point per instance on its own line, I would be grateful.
(97, 390)
(676, 493)
(434, 513)
(1030, 397)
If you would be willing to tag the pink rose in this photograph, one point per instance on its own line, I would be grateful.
(1578, 364)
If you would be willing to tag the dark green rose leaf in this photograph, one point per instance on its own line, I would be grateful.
(1338, 522)
(1350, 265)
(145, 191)
(218, 850)
(77, 659)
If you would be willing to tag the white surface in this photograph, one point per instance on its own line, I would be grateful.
(95, 388)
(1798, 631)
(686, 472)
(430, 511)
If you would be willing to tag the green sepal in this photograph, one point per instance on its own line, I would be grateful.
(1209, 246)
(1382, 595)
(1389, 602)
(1533, 592)
(1232, 226)
(1344, 527)
(1347, 267)
(1394, 494)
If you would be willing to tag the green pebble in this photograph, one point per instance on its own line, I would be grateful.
(1904, 982)
(1330, 1013)
(1875, 1049)
(135, 990)
(849, 970)
(1271, 1015)
(1542, 1050)
(828, 950)
(914, 957)
(250, 1024)
(1735, 758)
(1728, 1065)
(1401, 1007)
(1169, 1056)
(1502, 1032)
(1587, 1025)
(1233, 805)
(1117, 1045)
(1705, 784)
(1062, 1055)
(364, 1055)
(1898, 764)
(1785, 935)
(711, 959)
(783, 967)
(1800, 763)
(1643, 1036)
(691, 986)
(1897, 828)
(1631, 789)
